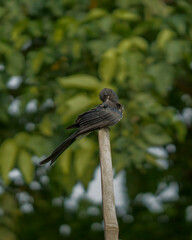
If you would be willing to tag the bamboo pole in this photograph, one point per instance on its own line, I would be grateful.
(111, 227)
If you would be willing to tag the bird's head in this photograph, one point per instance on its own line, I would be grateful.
(108, 94)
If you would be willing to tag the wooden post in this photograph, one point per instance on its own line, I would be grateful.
(111, 227)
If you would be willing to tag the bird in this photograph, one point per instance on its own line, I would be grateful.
(105, 115)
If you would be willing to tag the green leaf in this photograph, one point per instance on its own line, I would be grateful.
(123, 14)
(95, 14)
(8, 152)
(84, 161)
(22, 139)
(58, 35)
(19, 28)
(64, 162)
(6, 233)
(132, 42)
(76, 49)
(157, 8)
(2, 11)
(77, 101)
(21, 41)
(143, 105)
(176, 50)
(163, 75)
(34, 27)
(74, 106)
(120, 161)
(38, 145)
(15, 63)
(180, 130)
(37, 61)
(107, 66)
(155, 135)
(81, 81)
(5, 48)
(179, 23)
(25, 165)
(164, 36)
(121, 69)
(4, 116)
(46, 126)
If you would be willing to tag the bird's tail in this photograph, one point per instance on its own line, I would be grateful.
(60, 149)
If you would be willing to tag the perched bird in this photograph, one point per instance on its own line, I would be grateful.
(104, 115)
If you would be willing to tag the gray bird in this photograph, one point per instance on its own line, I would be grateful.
(104, 115)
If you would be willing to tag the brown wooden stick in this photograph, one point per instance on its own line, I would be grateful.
(110, 220)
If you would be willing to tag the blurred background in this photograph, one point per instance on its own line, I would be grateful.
(55, 57)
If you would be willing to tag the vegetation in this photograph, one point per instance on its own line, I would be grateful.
(55, 57)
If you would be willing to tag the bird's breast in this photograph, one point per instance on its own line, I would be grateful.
(115, 116)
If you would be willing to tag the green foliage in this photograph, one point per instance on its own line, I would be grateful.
(8, 152)
(80, 81)
(82, 162)
(162, 75)
(150, 133)
(65, 52)
(26, 166)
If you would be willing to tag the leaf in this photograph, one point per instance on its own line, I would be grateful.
(163, 75)
(76, 49)
(22, 139)
(6, 233)
(81, 81)
(157, 8)
(22, 41)
(37, 61)
(123, 14)
(58, 35)
(5, 48)
(8, 152)
(179, 23)
(121, 69)
(77, 101)
(64, 162)
(19, 28)
(2, 11)
(95, 14)
(15, 63)
(46, 126)
(164, 36)
(155, 135)
(34, 27)
(4, 116)
(38, 145)
(107, 66)
(25, 165)
(180, 129)
(120, 161)
(74, 106)
(132, 42)
(176, 50)
(84, 162)
(9, 204)
(143, 105)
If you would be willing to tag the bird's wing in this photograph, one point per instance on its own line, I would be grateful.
(76, 124)
(93, 120)
(91, 114)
